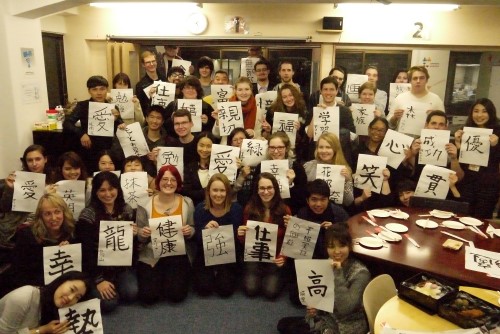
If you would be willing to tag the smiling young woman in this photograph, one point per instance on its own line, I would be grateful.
(166, 277)
(217, 210)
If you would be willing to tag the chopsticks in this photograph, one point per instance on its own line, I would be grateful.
(459, 238)
(412, 240)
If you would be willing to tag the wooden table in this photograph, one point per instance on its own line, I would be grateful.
(401, 315)
(431, 257)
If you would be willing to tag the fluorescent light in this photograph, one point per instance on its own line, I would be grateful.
(138, 5)
(400, 6)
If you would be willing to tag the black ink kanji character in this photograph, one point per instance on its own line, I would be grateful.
(317, 288)
(369, 175)
(115, 238)
(62, 262)
(473, 144)
(435, 181)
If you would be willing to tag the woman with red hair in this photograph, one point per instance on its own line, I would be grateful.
(165, 277)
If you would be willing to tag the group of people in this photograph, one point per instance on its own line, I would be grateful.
(205, 201)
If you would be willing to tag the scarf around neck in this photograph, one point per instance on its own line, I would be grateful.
(249, 112)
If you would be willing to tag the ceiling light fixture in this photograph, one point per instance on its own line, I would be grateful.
(384, 2)
(403, 7)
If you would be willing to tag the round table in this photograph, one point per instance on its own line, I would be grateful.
(401, 315)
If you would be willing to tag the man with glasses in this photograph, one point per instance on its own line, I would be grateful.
(183, 124)
(175, 75)
(152, 74)
(262, 69)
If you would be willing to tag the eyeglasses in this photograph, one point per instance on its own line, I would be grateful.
(264, 189)
(150, 62)
(177, 75)
(276, 148)
(338, 79)
(261, 70)
(378, 130)
(171, 181)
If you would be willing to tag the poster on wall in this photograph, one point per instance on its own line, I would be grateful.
(28, 60)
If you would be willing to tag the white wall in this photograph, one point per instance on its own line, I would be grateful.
(18, 116)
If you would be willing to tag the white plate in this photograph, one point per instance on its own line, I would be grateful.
(453, 225)
(399, 214)
(471, 221)
(370, 242)
(390, 236)
(426, 223)
(379, 213)
(441, 214)
(395, 227)
(497, 233)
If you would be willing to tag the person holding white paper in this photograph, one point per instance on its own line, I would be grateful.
(33, 309)
(279, 148)
(34, 160)
(113, 283)
(134, 164)
(217, 210)
(320, 210)
(339, 73)
(289, 100)
(329, 88)
(89, 145)
(165, 277)
(265, 205)
(252, 120)
(122, 81)
(152, 74)
(367, 93)
(220, 78)
(53, 225)
(351, 279)
(436, 120)
(405, 189)
(480, 186)
(190, 88)
(329, 151)
(419, 78)
(196, 172)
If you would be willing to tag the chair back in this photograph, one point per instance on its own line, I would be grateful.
(377, 292)
(439, 204)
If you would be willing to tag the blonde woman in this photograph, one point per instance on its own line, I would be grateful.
(53, 225)
(328, 151)
(218, 209)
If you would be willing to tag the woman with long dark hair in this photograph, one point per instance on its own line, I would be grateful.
(265, 205)
(34, 160)
(480, 186)
(107, 203)
(196, 173)
(32, 309)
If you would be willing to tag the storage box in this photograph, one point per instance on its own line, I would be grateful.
(422, 289)
(468, 311)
